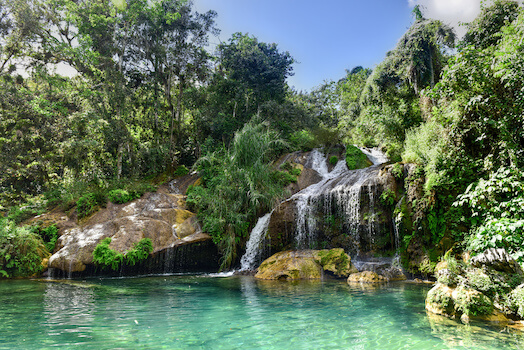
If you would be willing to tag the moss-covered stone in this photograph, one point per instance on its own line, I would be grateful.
(336, 261)
(439, 300)
(290, 265)
(471, 302)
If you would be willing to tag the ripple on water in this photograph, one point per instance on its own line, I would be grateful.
(234, 312)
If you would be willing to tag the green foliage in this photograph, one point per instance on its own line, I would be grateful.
(387, 197)
(238, 186)
(49, 236)
(499, 233)
(181, 171)
(86, 205)
(472, 303)
(516, 302)
(333, 160)
(355, 158)
(139, 252)
(119, 196)
(424, 146)
(107, 257)
(437, 296)
(21, 250)
(398, 171)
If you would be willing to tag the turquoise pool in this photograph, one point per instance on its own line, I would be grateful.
(237, 312)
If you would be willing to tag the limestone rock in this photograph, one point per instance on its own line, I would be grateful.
(498, 259)
(366, 277)
(439, 300)
(335, 261)
(161, 217)
(290, 265)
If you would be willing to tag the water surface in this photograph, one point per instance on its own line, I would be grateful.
(239, 312)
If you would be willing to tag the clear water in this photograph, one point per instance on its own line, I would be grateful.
(237, 312)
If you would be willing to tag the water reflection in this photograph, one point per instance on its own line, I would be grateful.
(69, 309)
(475, 335)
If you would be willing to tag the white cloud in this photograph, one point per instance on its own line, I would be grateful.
(451, 12)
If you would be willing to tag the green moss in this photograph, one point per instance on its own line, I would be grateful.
(441, 299)
(472, 303)
(333, 160)
(355, 159)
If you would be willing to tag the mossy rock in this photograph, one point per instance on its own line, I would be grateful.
(290, 265)
(439, 300)
(336, 261)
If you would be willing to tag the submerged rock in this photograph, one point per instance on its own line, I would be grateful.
(161, 217)
(305, 264)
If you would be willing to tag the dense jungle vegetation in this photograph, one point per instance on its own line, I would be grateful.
(151, 101)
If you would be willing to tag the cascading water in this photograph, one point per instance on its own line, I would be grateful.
(250, 258)
(345, 197)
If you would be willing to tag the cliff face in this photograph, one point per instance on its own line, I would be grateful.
(160, 216)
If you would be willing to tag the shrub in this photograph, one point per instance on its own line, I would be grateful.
(21, 250)
(139, 252)
(355, 159)
(86, 205)
(333, 160)
(121, 196)
(181, 171)
(106, 257)
(303, 140)
(49, 236)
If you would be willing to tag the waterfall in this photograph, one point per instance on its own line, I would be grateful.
(249, 259)
(339, 193)
(345, 196)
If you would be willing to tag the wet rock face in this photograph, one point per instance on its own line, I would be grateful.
(161, 217)
(334, 208)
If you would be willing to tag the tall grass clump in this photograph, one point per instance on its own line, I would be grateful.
(238, 185)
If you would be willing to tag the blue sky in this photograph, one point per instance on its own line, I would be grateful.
(327, 37)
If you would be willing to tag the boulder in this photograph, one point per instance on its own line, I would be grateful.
(335, 261)
(290, 265)
(497, 259)
(160, 216)
(366, 277)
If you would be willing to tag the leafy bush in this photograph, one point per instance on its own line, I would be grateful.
(18, 215)
(139, 252)
(107, 257)
(49, 236)
(499, 233)
(387, 197)
(333, 160)
(121, 196)
(303, 140)
(21, 250)
(355, 159)
(181, 171)
(86, 205)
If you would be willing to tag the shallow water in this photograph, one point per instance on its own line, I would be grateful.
(236, 312)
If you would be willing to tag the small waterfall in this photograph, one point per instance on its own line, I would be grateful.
(252, 254)
(339, 193)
